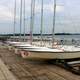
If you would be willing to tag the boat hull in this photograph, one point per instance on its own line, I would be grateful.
(40, 53)
(50, 55)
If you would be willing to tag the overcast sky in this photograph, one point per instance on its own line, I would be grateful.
(67, 16)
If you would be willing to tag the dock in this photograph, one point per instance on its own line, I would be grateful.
(5, 74)
(14, 67)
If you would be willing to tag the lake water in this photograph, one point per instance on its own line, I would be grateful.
(68, 37)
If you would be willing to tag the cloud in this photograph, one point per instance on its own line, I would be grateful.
(49, 8)
(68, 11)
(5, 13)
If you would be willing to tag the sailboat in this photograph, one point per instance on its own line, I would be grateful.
(13, 43)
(71, 52)
(30, 51)
(31, 47)
(17, 46)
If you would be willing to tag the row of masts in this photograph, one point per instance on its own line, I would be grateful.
(22, 6)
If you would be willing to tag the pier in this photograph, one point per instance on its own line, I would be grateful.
(14, 67)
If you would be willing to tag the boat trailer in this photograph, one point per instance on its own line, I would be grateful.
(72, 65)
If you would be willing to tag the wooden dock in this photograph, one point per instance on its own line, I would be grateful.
(24, 69)
(5, 74)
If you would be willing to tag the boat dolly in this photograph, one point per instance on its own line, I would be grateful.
(70, 65)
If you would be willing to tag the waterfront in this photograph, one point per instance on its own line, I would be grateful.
(25, 69)
(46, 17)
(67, 37)
(61, 39)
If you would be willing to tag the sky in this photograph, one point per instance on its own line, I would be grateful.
(67, 16)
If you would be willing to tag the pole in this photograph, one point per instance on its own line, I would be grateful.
(32, 20)
(24, 20)
(53, 34)
(14, 19)
(41, 31)
(20, 18)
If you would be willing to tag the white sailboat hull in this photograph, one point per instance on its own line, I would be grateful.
(50, 55)
(47, 53)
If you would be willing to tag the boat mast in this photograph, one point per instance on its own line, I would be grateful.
(32, 20)
(14, 19)
(41, 32)
(20, 18)
(53, 34)
(24, 20)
